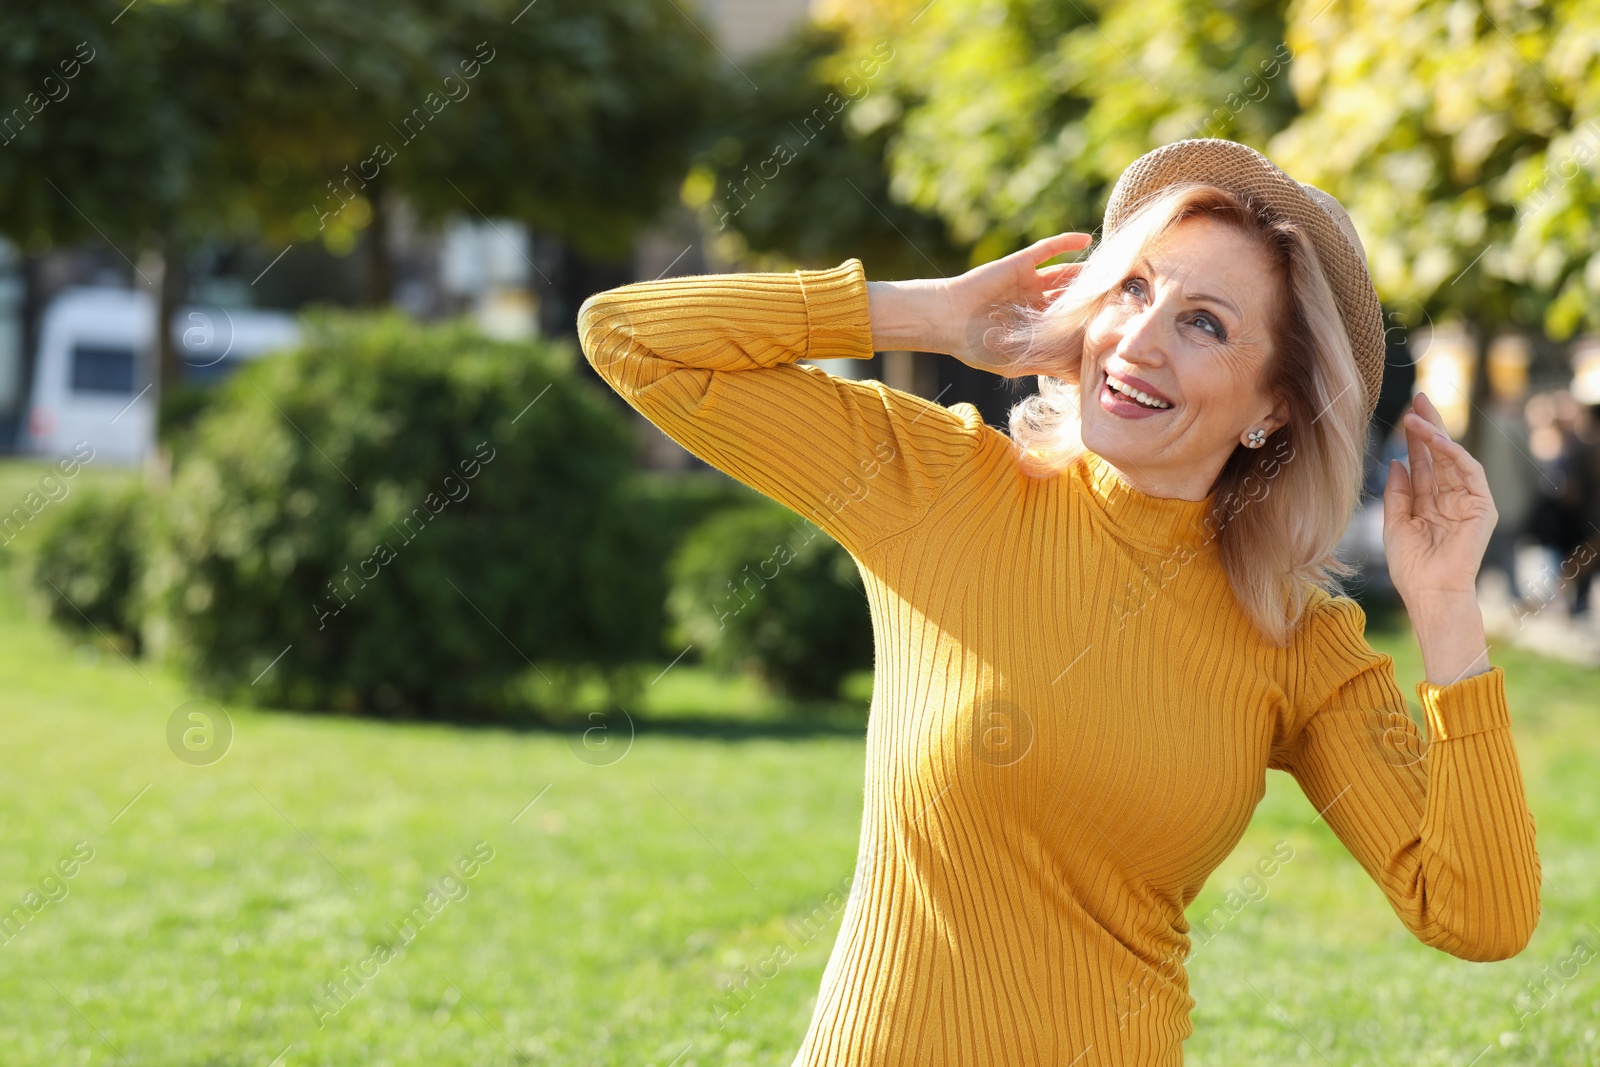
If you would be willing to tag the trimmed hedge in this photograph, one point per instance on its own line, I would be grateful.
(757, 587)
(413, 520)
(402, 518)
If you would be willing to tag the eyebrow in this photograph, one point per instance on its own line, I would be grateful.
(1213, 300)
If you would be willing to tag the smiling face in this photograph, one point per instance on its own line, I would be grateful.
(1190, 327)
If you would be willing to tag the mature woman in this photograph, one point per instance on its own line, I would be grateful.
(1093, 636)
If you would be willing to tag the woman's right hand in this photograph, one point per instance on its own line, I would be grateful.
(955, 315)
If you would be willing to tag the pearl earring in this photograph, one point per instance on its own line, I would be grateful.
(1256, 438)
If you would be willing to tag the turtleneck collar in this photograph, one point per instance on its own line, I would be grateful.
(1153, 522)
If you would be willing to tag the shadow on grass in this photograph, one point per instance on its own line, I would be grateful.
(773, 718)
(841, 722)
(852, 723)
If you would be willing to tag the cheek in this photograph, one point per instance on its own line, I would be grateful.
(1213, 396)
(1221, 388)
(1102, 333)
(1091, 354)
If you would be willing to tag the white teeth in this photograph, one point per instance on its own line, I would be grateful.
(1137, 394)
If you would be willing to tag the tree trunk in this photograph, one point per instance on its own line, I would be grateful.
(171, 288)
(1482, 335)
(380, 264)
(169, 297)
(32, 315)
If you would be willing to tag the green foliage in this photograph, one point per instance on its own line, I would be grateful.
(660, 509)
(796, 173)
(1021, 115)
(417, 514)
(581, 125)
(1463, 141)
(179, 408)
(89, 559)
(755, 585)
(579, 122)
(161, 134)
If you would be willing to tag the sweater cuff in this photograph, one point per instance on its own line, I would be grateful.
(1470, 706)
(839, 325)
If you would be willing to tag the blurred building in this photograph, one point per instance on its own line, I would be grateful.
(745, 28)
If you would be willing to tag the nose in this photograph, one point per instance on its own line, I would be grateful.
(1144, 338)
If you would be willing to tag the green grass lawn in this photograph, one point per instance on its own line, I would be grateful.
(221, 899)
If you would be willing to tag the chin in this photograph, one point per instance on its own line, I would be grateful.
(1103, 441)
(1122, 458)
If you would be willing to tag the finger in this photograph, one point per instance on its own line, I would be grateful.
(1420, 464)
(1460, 469)
(1446, 455)
(1425, 407)
(1051, 247)
(1441, 450)
(1058, 276)
(1436, 435)
(1396, 497)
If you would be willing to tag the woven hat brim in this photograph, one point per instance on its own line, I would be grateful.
(1242, 170)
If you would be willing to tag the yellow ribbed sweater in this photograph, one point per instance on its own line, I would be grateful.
(1070, 726)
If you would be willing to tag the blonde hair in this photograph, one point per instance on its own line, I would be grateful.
(1284, 514)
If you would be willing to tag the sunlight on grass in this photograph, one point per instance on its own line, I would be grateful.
(624, 896)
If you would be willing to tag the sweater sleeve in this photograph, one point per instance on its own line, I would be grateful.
(1441, 825)
(712, 361)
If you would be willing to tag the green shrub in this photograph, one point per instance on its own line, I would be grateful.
(661, 510)
(401, 518)
(88, 563)
(757, 586)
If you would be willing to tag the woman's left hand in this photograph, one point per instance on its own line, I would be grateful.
(1437, 517)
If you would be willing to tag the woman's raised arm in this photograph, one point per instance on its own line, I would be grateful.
(713, 361)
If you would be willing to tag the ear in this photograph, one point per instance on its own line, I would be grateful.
(1278, 417)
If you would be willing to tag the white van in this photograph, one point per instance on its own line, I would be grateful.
(94, 377)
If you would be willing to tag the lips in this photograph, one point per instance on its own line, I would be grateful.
(1137, 389)
(1118, 402)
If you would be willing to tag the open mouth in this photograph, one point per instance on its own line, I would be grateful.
(1122, 397)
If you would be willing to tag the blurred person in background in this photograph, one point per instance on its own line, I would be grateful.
(1512, 473)
(1550, 519)
(1581, 498)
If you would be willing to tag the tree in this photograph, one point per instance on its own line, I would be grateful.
(161, 137)
(1020, 115)
(1463, 140)
(796, 174)
(88, 137)
(580, 123)
(299, 120)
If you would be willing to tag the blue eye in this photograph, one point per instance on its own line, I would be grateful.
(1210, 323)
(1133, 286)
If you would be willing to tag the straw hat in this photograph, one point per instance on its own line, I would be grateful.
(1246, 172)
